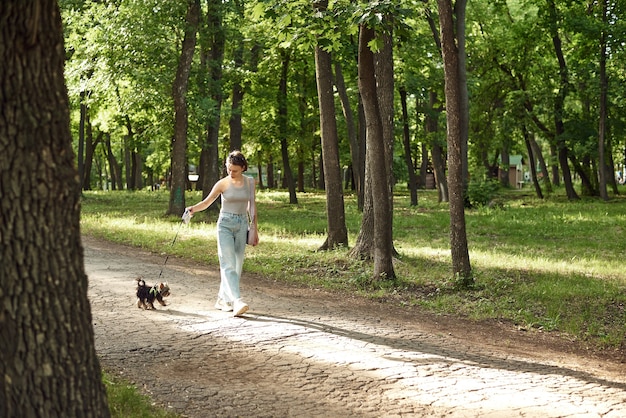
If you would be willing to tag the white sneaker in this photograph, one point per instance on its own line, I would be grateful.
(223, 305)
(240, 307)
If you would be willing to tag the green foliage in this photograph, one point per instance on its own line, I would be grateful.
(546, 264)
(481, 193)
(123, 56)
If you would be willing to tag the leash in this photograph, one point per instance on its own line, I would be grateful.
(184, 220)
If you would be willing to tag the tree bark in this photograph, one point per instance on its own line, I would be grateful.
(282, 128)
(602, 166)
(459, 12)
(559, 104)
(358, 163)
(114, 167)
(179, 94)
(214, 58)
(437, 151)
(90, 150)
(406, 140)
(335, 210)
(48, 360)
(376, 158)
(531, 162)
(364, 245)
(234, 122)
(461, 267)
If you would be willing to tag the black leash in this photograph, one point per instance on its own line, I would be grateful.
(184, 220)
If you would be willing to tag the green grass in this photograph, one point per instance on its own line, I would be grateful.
(126, 402)
(540, 264)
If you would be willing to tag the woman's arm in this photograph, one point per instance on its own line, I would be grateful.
(212, 196)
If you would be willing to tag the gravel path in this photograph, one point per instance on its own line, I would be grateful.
(307, 353)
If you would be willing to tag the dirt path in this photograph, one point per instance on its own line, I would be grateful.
(307, 353)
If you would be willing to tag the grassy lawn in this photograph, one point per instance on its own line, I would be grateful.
(545, 264)
(126, 402)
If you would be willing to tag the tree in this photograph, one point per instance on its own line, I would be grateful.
(282, 122)
(212, 57)
(376, 157)
(179, 94)
(48, 364)
(406, 142)
(602, 166)
(461, 267)
(335, 211)
(559, 101)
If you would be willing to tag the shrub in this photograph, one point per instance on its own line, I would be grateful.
(480, 193)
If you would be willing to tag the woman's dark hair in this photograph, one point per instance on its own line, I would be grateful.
(237, 158)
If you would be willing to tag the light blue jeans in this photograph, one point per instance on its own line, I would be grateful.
(231, 245)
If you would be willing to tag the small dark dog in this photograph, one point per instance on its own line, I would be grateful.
(147, 295)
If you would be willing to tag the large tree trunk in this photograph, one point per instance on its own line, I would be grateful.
(383, 70)
(461, 267)
(48, 360)
(335, 210)
(179, 94)
(376, 158)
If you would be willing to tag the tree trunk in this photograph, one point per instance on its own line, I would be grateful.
(335, 210)
(362, 151)
(282, 128)
(212, 168)
(114, 167)
(559, 105)
(542, 163)
(90, 150)
(358, 163)
(406, 140)
(376, 158)
(179, 94)
(48, 360)
(531, 162)
(364, 245)
(461, 267)
(234, 122)
(437, 152)
(81, 135)
(602, 166)
(383, 70)
(505, 164)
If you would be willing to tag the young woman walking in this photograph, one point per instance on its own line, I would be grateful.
(237, 216)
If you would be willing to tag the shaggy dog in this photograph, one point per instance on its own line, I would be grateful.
(147, 295)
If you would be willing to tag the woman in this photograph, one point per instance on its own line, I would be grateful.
(238, 205)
